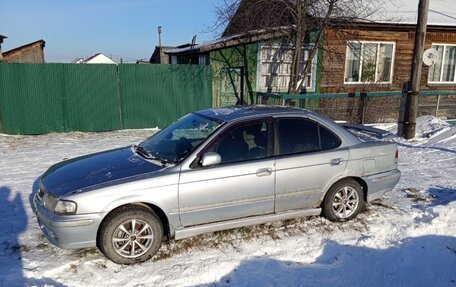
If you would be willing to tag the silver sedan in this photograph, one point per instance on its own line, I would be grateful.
(212, 170)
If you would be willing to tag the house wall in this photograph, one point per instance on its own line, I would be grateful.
(332, 75)
(31, 54)
(244, 56)
(333, 65)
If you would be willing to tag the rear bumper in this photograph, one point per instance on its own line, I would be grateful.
(69, 231)
(380, 183)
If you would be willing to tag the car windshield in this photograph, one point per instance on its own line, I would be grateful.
(178, 140)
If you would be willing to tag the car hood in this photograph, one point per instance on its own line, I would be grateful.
(92, 170)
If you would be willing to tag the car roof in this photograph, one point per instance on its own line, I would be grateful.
(242, 112)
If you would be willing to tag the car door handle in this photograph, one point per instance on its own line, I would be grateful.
(335, 161)
(264, 172)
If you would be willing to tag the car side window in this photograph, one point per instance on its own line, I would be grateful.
(328, 139)
(297, 136)
(304, 135)
(244, 142)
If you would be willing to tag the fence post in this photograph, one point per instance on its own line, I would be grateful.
(402, 105)
(437, 107)
(63, 96)
(119, 97)
(363, 98)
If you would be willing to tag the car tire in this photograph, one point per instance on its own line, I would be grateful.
(130, 234)
(343, 201)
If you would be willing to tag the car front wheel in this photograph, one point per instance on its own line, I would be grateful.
(130, 234)
(343, 201)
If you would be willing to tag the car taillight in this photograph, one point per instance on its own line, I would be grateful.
(396, 157)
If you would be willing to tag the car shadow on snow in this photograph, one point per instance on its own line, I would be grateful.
(427, 147)
(421, 261)
(14, 221)
(441, 195)
(433, 197)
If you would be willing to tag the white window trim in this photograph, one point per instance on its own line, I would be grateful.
(313, 69)
(203, 59)
(441, 69)
(361, 62)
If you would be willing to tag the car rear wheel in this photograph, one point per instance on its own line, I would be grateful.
(343, 201)
(130, 234)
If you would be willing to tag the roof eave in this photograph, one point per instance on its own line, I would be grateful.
(242, 39)
(394, 26)
(42, 42)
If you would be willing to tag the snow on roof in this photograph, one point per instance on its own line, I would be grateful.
(441, 12)
(99, 58)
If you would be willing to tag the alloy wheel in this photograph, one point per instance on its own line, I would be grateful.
(132, 238)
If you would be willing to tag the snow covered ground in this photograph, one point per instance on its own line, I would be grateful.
(408, 238)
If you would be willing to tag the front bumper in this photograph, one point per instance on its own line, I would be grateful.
(68, 231)
(380, 183)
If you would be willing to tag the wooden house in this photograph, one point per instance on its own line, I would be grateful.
(364, 56)
(28, 53)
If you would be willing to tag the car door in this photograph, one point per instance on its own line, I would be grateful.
(308, 158)
(241, 185)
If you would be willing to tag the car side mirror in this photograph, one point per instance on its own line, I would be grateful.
(210, 159)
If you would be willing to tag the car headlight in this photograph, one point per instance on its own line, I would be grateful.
(65, 207)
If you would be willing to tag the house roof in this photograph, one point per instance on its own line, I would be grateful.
(163, 49)
(230, 41)
(12, 51)
(441, 12)
(97, 58)
(250, 16)
(78, 61)
(388, 13)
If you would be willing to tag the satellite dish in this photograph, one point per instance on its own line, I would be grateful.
(431, 56)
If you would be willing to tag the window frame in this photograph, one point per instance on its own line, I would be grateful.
(393, 58)
(270, 151)
(440, 82)
(260, 62)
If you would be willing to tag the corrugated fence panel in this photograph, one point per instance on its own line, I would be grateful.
(92, 101)
(42, 98)
(30, 98)
(156, 95)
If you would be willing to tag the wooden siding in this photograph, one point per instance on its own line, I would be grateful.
(30, 53)
(333, 66)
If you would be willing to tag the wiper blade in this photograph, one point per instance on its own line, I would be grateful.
(144, 153)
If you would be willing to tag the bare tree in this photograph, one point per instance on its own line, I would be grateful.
(299, 22)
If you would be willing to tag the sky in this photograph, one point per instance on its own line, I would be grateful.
(120, 29)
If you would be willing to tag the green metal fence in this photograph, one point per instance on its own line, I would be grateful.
(154, 95)
(367, 107)
(42, 98)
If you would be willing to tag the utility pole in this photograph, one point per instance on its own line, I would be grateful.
(159, 36)
(411, 107)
